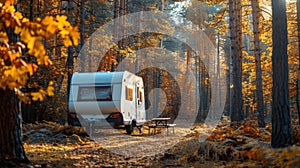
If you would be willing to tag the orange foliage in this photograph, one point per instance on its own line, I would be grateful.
(16, 66)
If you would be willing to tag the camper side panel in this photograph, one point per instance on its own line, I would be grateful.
(127, 104)
(132, 107)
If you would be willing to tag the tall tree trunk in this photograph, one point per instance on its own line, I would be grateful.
(82, 18)
(227, 111)
(281, 121)
(120, 9)
(204, 93)
(298, 78)
(29, 115)
(218, 71)
(235, 13)
(259, 90)
(70, 59)
(199, 93)
(11, 147)
(91, 29)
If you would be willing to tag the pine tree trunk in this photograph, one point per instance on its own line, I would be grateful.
(120, 9)
(281, 121)
(298, 78)
(235, 13)
(227, 103)
(82, 33)
(11, 147)
(259, 90)
(70, 58)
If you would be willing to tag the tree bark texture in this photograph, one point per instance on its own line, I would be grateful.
(11, 147)
(259, 90)
(235, 24)
(281, 121)
(298, 78)
(82, 32)
(120, 9)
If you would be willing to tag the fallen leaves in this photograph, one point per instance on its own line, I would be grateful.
(248, 128)
(234, 145)
(49, 144)
(230, 145)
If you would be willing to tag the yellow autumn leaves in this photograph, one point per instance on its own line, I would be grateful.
(41, 94)
(64, 28)
(22, 48)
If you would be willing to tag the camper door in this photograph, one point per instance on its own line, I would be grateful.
(129, 103)
(139, 102)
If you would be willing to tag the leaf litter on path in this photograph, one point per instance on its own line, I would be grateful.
(49, 144)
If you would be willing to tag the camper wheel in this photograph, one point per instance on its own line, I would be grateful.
(129, 128)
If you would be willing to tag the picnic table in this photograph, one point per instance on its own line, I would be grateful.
(161, 123)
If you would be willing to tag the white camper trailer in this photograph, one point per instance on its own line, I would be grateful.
(116, 98)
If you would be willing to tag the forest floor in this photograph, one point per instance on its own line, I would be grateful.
(50, 144)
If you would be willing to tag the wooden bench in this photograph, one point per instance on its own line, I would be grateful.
(171, 126)
(154, 126)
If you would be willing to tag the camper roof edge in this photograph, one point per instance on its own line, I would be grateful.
(99, 77)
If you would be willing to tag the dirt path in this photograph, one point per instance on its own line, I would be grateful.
(48, 146)
(54, 145)
(139, 145)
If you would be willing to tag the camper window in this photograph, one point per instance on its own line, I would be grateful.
(141, 96)
(137, 91)
(129, 94)
(100, 93)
